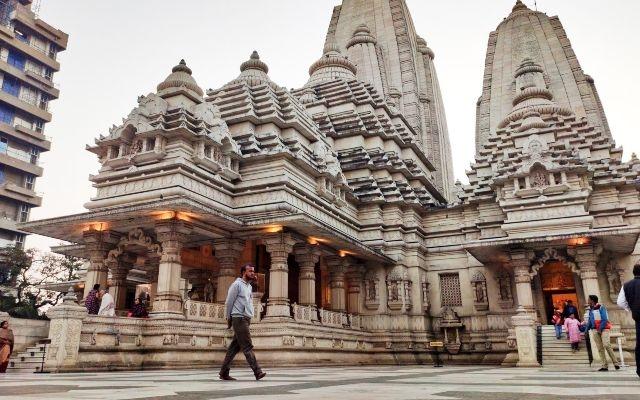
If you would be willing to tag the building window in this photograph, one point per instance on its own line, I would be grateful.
(450, 294)
(20, 237)
(44, 101)
(6, 114)
(29, 182)
(48, 73)
(6, 8)
(23, 216)
(17, 59)
(53, 50)
(151, 144)
(21, 36)
(38, 125)
(29, 95)
(2, 177)
(35, 154)
(11, 85)
(4, 144)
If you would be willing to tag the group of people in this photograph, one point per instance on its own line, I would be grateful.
(567, 319)
(100, 302)
(597, 320)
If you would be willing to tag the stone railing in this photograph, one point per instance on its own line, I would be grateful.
(336, 319)
(201, 311)
(304, 314)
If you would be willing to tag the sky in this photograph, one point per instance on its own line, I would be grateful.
(120, 49)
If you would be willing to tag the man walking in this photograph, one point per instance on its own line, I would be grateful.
(239, 311)
(599, 320)
(629, 299)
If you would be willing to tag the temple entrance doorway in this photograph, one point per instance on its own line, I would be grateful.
(558, 286)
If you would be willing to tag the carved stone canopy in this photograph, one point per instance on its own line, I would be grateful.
(552, 254)
(138, 242)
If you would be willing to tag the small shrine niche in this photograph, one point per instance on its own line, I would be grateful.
(479, 286)
(450, 324)
(371, 291)
(398, 290)
(503, 279)
(539, 177)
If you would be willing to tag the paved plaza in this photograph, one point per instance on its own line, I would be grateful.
(357, 383)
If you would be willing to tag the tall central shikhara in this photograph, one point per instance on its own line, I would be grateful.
(380, 39)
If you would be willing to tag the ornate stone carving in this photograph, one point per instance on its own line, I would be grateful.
(399, 289)
(479, 286)
(505, 292)
(372, 290)
(424, 288)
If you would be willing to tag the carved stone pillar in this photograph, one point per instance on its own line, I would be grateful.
(279, 246)
(355, 275)
(524, 327)
(64, 332)
(172, 235)
(307, 256)
(98, 244)
(522, 270)
(337, 269)
(586, 259)
(228, 252)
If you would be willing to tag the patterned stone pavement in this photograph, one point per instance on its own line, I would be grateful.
(344, 383)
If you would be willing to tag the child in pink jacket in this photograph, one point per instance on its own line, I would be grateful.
(572, 326)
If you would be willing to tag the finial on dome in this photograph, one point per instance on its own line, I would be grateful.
(363, 35)
(254, 63)
(331, 47)
(180, 78)
(182, 67)
(332, 65)
(520, 6)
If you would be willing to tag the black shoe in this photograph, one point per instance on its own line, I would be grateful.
(617, 367)
(603, 369)
(226, 377)
(260, 375)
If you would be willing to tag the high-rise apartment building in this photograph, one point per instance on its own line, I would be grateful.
(28, 51)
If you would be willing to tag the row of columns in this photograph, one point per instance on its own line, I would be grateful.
(172, 236)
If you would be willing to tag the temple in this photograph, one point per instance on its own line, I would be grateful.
(341, 193)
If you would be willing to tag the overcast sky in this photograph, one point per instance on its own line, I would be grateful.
(120, 49)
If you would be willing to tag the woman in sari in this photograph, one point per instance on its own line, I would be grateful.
(6, 345)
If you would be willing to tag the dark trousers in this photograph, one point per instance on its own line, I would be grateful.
(638, 346)
(241, 341)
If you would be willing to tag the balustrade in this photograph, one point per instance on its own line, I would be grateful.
(201, 311)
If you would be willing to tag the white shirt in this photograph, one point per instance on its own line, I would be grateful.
(622, 301)
(107, 306)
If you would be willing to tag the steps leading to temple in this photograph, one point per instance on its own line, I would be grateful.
(29, 360)
(557, 352)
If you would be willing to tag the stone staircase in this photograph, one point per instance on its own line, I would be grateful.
(29, 360)
(557, 353)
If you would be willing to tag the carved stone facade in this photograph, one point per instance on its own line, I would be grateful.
(340, 193)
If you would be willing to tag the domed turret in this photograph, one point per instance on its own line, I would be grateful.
(180, 81)
(362, 35)
(332, 65)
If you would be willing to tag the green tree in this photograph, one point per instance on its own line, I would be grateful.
(26, 272)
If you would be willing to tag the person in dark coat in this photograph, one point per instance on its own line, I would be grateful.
(139, 310)
(92, 302)
(570, 309)
(629, 299)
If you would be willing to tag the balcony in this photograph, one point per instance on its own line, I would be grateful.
(24, 106)
(18, 161)
(32, 78)
(19, 193)
(28, 49)
(9, 224)
(26, 135)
